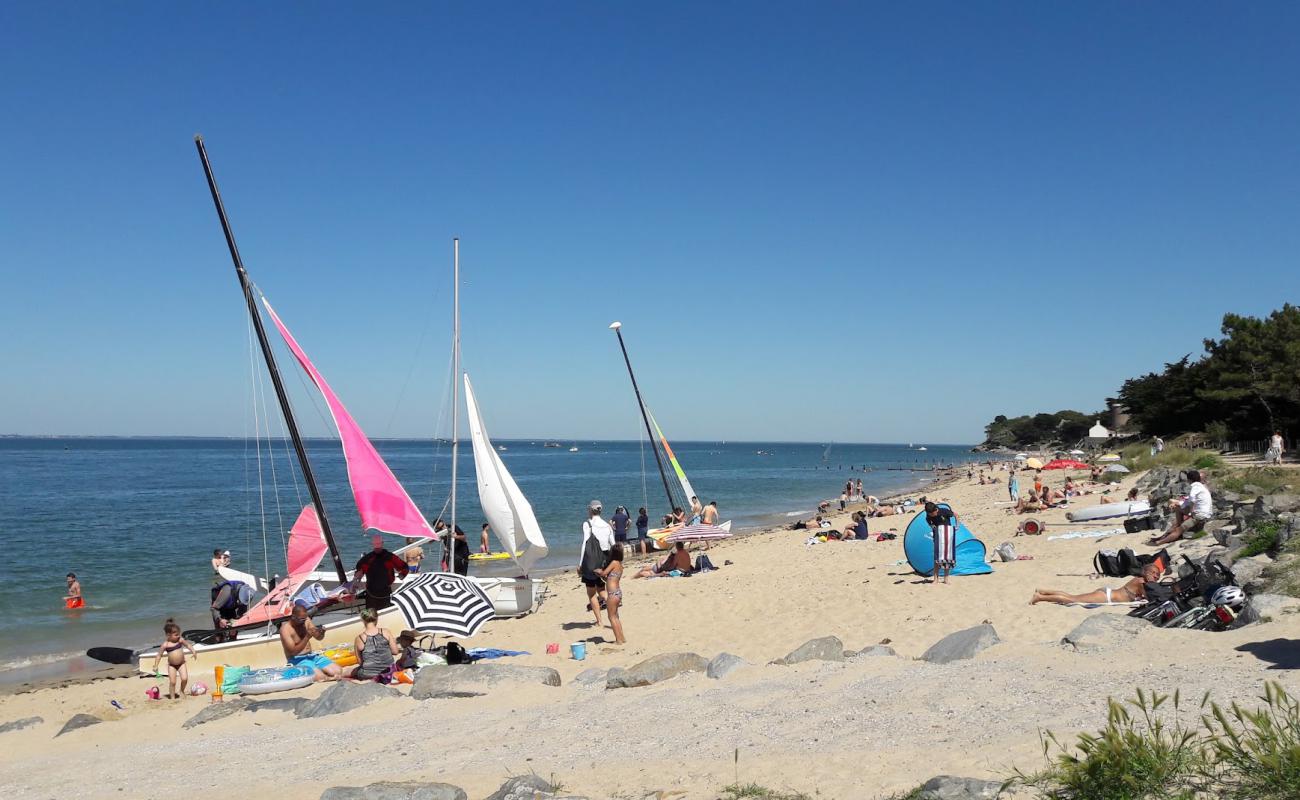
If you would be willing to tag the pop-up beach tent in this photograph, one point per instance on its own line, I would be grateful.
(918, 545)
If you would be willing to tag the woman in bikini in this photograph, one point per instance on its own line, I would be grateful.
(174, 648)
(613, 574)
(1130, 592)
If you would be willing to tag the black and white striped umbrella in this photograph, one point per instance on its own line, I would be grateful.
(443, 602)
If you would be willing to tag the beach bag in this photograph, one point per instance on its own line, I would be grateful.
(703, 564)
(1005, 551)
(1106, 562)
(1129, 563)
(230, 678)
(593, 558)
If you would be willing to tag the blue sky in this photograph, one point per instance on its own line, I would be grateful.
(816, 221)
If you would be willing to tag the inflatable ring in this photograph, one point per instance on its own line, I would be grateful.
(343, 655)
(276, 679)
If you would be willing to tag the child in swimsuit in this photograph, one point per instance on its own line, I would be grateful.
(613, 574)
(174, 648)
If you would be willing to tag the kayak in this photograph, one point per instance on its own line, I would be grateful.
(1109, 511)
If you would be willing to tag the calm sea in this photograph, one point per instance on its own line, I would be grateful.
(137, 519)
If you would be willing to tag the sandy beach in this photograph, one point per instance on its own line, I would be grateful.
(865, 727)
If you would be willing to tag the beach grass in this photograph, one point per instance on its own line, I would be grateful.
(740, 791)
(1137, 457)
(1265, 480)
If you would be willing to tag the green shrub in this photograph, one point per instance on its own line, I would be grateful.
(1263, 539)
(1270, 479)
(737, 791)
(1217, 432)
(1255, 755)
(1208, 461)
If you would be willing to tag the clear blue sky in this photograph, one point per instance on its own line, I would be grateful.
(1005, 207)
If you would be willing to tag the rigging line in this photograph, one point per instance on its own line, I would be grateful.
(275, 484)
(437, 430)
(251, 409)
(645, 491)
(401, 394)
(261, 490)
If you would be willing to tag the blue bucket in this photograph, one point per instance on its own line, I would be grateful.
(579, 651)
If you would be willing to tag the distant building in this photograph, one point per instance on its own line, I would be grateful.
(1098, 432)
(1119, 417)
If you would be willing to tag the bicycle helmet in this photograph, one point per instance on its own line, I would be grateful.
(1230, 596)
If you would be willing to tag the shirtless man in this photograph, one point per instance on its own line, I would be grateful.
(295, 637)
(73, 598)
(1135, 589)
(678, 559)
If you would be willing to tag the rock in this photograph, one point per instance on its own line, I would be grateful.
(1229, 497)
(19, 724)
(1249, 571)
(1274, 605)
(961, 645)
(723, 664)
(1101, 631)
(1278, 503)
(946, 787)
(1252, 490)
(392, 790)
(345, 696)
(873, 650)
(827, 648)
(523, 787)
(591, 676)
(472, 680)
(279, 704)
(655, 669)
(78, 721)
(217, 711)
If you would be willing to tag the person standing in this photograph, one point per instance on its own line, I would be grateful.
(643, 530)
(455, 548)
(612, 573)
(484, 546)
(380, 568)
(597, 539)
(73, 598)
(696, 509)
(1275, 446)
(943, 525)
(413, 555)
(620, 522)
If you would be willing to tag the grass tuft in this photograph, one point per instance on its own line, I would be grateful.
(737, 791)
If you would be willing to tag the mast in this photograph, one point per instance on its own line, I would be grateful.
(617, 327)
(455, 398)
(271, 367)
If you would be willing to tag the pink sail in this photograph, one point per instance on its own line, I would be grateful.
(382, 502)
(306, 548)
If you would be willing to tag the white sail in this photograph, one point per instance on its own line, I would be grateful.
(508, 512)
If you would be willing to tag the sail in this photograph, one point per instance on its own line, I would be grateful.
(383, 504)
(508, 512)
(672, 459)
(305, 550)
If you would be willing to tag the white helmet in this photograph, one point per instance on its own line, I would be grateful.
(1230, 596)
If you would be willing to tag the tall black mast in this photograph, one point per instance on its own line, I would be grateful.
(269, 355)
(617, 327)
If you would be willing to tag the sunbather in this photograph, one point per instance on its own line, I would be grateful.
(678, 560)
(1130, 592)
(1028, 502)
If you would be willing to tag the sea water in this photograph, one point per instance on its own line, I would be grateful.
(137, 519)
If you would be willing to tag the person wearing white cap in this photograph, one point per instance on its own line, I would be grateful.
(220, 558)
(597, 538)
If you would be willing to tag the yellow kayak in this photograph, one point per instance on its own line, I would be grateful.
(493, 556)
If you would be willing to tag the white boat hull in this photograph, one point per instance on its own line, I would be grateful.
(510, 596)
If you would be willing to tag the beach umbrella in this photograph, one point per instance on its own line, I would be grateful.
(1021, 456)
(443, 602)
(1033, 463)
(1077, 453)
(1061, 463)
(697, 533)
(1109, 457)
(1117, 468)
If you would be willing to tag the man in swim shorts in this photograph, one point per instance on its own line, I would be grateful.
(73, 598)
(295, 637)
(1130, 592)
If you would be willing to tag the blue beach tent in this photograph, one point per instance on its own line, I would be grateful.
(918, 546)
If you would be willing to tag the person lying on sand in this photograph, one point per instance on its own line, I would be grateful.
(1134, 590)
(678, 559)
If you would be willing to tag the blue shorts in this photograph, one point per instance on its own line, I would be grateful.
(312, 660)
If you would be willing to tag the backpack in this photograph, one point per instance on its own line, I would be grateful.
(1106, 562)
(703, 564)
(1135, 524)
(593, 558)
(1128, 563)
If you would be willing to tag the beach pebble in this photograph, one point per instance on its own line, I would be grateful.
(19, 724)
(469, 680)
(826, 648)
(723, 664)
(344, 696)
(391, 790)
(961, 645)
(1102, 631)
(655, 669)
(78, 721)
(947, 787)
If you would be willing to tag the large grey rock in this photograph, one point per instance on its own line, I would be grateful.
(293, 704)
(947, 787)
(78, 721)
(345, 696)
(1274, 605)
(591, 677)
(1102, 631)
(723, 664)
(655, 669)
(1277, 503)
(392, 790)
(523, 787)
(470, 680)
(19, 724)
(216, 711)
(1249, 571)
(827, 648)
(961, 645)
(873, 650)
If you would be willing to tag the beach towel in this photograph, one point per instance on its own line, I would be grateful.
(1087, 534)
(480, 653)
(1132, 604)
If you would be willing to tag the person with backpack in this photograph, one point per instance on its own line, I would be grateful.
(597, 539)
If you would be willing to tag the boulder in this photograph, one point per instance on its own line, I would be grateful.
(472, 680)
(1280, 503)
(393, 790)
(1249, 571)
(279, 704)
(19, 724)
(1274, 605)
(947, 787)
(523, 787)
(1102, 631)
(723, 664)
(591, 677)
(873, 650)
(217, 711)
(655, 669)
(78, 721)
(961, 645)
(827, 648)
(345, 696)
